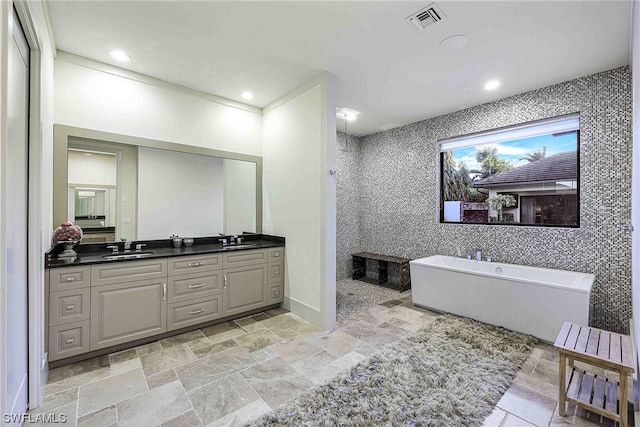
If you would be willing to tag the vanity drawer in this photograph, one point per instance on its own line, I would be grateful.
(244, 257)
(68, 340)
(275, 254)
(195, 285)
(275, 272)
(180, 315)
(276, 293)
(61, 279)
(69, 306)
(119, 272)
(190, 264)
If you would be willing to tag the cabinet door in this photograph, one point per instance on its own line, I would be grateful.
(244, 257)
(276, 293)
(119, 272)
(275, 254)
(190, 313)
(69, 306)
(276, 272)
(68, 340)
(127, 311)
(194, 286)
(196, 263)
(65, 278)
(244, 289)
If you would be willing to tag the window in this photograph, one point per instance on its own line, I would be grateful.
(526, 174)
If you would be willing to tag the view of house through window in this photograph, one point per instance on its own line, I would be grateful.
(525, 174)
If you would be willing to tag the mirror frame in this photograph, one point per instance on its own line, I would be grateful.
(62, 134)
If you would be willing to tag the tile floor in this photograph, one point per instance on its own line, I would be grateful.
(228, 374)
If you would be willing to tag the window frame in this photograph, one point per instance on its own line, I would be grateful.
(558, 124)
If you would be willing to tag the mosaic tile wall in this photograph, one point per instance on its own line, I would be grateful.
(398, 185)
(347, 194)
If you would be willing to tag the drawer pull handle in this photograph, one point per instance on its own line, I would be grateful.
(276, 293)
(196, 286)
(194, 312)
(276, 273)
(70, 307)
(276, 254)
(69, 340)
(164, 292)
(197, 264)
(70, 279)
(225, 281)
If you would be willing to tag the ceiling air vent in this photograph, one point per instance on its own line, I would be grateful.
(427, 16)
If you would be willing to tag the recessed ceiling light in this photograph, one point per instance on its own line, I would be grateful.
(452, 43)
(347, 114)
(119, 55)
(491, 84)
(247, 95)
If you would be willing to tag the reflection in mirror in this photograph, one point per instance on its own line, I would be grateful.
(116, 186)
(90, 203)
(92, 192)
(184, 194)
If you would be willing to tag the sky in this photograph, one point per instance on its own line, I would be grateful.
(514, 151)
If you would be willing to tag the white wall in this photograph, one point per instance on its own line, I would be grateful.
(96, 96)
(178, 193)
(299, 195)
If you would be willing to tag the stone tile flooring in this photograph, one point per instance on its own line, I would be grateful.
(228, 374)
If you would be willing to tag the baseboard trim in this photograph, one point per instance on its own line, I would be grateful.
(303, 310)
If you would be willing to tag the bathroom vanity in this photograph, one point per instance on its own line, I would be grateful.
(99, 303)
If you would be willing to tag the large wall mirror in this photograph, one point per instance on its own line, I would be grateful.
(123, 187)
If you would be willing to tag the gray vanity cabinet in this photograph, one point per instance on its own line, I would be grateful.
(68, 312)
(134, 307)
(275, 278)
(195, 290)
(99, 306)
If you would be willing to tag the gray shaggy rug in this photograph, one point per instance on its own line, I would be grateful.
(451, 373)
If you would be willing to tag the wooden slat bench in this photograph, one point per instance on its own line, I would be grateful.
(603, 349)
(360, 268)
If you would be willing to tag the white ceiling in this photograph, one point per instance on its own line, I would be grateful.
(386, 68)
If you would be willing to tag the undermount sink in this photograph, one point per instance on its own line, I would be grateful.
(127, 255)
(230, 247)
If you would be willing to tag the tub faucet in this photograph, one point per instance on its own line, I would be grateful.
(478, 255)
(458, 252)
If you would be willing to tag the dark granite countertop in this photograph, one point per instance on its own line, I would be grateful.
(92, 253)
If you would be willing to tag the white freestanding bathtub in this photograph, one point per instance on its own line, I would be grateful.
(531, 300)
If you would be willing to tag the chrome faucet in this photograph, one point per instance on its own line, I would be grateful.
(458, 252)
(224, 241)
(127, 245)
(114, 248)
(478, 254)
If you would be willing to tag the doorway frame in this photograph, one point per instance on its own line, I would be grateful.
(37, 363)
